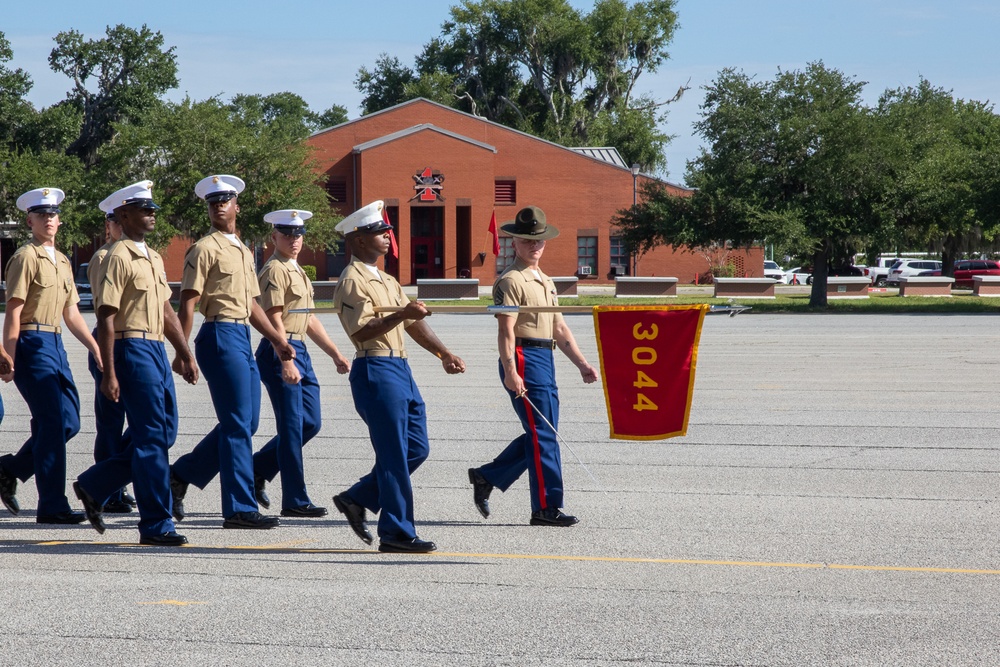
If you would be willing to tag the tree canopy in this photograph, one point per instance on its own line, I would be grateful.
(800, 162)
(115, 127)
(544, 67)
(795, 159)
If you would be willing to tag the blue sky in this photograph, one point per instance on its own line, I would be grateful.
(315, 47)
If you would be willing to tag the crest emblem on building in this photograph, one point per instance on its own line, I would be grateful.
(428, 185)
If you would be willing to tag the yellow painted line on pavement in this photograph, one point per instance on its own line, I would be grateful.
(293, 547)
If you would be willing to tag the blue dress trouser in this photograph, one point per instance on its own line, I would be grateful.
(537, 449)
(43, 378)
(298, 419)
(226, 359)
(150, 402)
(389, 402)
(109, 420)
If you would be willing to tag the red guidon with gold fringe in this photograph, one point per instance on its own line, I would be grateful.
(648, 356)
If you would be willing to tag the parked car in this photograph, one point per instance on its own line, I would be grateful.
(798, 276)
(772, 270)
(904, 268)
(83, 288)
(966, 268)
(879, 272)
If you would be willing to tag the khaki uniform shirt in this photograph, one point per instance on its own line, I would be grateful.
(46, 288)
(284, 283)
(518, 286)
(136, 286)
(223, 274)
(358, 293)
(94, 270)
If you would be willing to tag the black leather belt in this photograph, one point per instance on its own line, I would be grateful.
(546, 343)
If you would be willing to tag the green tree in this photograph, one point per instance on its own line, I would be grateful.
(14, 85)
(335, 115)
(543, 67)
(128, 69)
(795, 160)
(385, 85)
(179, 144)
(942, 146)
(23, 170)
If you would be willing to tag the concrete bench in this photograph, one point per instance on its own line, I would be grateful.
(985, 285)
(651, 286)
(323, 290)
(565, 285)
(847, 287)
(926, 286)
(746, 288)
(450, 289)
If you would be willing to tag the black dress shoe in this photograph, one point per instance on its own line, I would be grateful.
(116, 506)
(178, 489)
(90, 507)
(171, 539)
(62, 518)
(414, 546)
(552, 516)
(258, 491)
(126, 498)
(308, 510)
(355, 514)
(8, 487)
(251, 521)
(481, 490)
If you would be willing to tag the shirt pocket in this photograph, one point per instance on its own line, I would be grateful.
(228, 269)
(141, 285)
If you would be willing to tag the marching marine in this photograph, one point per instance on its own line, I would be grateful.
(219, 276)
(40, 294)
(385, 394)
(526, 342)
(109, 416)
(133, 318)
(291, 385)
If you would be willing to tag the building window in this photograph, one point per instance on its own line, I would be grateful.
(586, 255)
(505, 192)
(506, 256)
(337, 191)
(619, 257)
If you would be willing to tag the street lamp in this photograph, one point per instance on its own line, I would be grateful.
(635, 177)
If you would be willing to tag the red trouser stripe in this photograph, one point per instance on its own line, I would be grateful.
(536, 449)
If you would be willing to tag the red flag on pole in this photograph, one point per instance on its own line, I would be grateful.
(495, 233)
(393, 247)
(648, 356)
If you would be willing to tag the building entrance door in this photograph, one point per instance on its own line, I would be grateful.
(426, 242)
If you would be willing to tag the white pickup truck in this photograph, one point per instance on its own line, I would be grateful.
(878, 273)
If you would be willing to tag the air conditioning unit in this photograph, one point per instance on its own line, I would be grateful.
(583, 270)
(619, 269)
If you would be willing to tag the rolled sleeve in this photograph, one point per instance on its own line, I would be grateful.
(355, 307)
(112, 282)
(195, 269)
(273, 286)
(19, 276)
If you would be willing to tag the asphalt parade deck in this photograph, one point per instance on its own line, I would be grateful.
(834, 503)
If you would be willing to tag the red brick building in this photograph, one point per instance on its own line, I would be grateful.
(442, 173)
